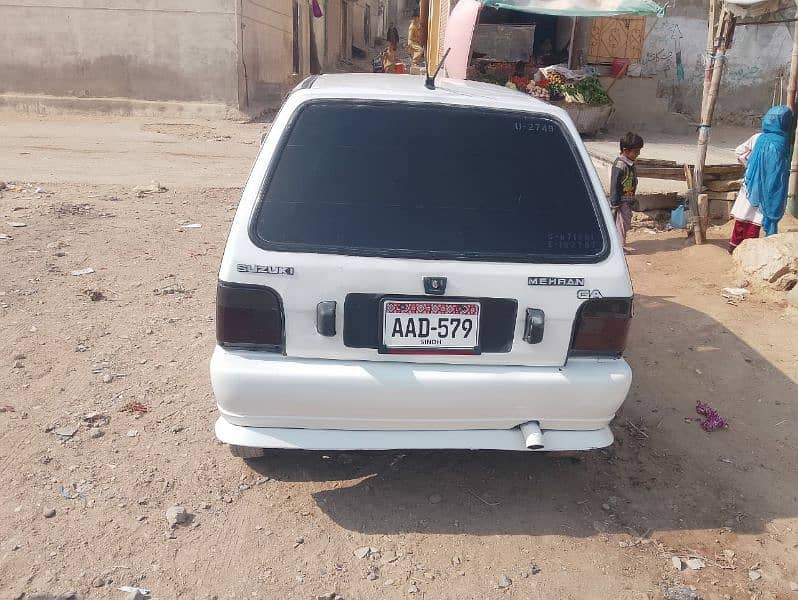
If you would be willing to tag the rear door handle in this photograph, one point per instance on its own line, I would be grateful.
(325, 318)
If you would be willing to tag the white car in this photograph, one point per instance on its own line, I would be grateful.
(414, 268)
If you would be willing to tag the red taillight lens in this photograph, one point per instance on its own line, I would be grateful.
(249, 317)
(601, 327)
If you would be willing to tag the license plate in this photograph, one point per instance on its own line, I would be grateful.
(421, 326)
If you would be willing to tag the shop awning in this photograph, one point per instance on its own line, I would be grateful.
(753, 12)
(758, 8)
(582, 8)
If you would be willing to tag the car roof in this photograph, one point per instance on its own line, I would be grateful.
(410, 88)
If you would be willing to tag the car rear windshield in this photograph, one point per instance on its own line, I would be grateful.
(418, 180)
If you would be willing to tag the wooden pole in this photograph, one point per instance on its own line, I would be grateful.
(792, 88)
(709, 58)
(707, 113)
(433, 35)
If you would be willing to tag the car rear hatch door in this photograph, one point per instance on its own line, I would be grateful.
(379, 253)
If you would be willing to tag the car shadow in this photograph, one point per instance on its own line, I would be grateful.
(663, 472)
(658, 245)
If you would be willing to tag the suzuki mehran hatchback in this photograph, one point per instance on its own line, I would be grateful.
(420, 268)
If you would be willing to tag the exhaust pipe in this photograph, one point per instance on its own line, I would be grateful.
(533, 436)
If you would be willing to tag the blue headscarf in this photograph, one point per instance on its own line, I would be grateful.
(768, 169)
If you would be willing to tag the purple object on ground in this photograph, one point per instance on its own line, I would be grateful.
(712, 420)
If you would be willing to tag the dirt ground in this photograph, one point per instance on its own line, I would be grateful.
(119, 359)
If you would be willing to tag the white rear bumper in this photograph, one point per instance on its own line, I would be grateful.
(469, 439)
(274, 393)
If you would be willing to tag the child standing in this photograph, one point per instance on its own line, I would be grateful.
(623, 182)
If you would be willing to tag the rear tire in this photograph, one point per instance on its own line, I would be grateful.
(246, 451)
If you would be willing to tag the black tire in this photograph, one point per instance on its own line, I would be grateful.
(246, 451)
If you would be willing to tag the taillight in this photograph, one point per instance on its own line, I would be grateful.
(601, 327)
(249, 317)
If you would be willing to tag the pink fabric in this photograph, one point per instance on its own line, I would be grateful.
(459, 35)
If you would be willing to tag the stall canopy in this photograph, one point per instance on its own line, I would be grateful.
(582, 8)
(462, 21)
(753, 10)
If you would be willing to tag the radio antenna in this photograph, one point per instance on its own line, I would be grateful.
(430, 81)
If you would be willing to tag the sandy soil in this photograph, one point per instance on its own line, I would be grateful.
(131, 342)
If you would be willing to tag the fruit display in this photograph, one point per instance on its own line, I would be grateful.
(556, 78)
(541, 93)
(550, 83)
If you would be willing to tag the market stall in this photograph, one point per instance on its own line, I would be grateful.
(578, 92)
(490, 46)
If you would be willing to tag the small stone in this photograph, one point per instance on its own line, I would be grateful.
(694, 564)
(681, 592)
(456, 561)
(793, 586)
(107, 377)
(96, 434)
(534, 570)
(98, 582)
(49, 513)
(605, 507)
(177, 515)
(18, 596)
(388, 582)
(132, 433)
(412, 589)
(362, 552)
(66, 432)
(372, 576)
(677, 563)
(16, 224)
(755, 575)
(389, 557)
(505, 582)
(17, 364)
(435, 499)
(135, 595)
(298, 542)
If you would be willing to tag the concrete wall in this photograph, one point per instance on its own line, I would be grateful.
(333, 13)
(143, 49)
(758, 56)
(357, 10)
(267, 48)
